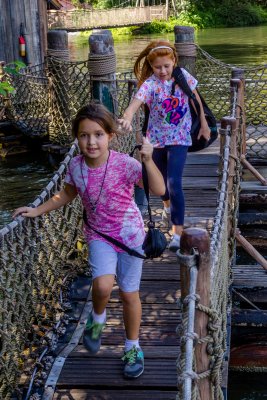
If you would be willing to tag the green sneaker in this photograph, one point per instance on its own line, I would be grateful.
(92, 335)
(133, 363)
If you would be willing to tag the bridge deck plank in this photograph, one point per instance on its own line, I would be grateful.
(100, 376)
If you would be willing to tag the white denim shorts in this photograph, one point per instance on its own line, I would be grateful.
(104, 260)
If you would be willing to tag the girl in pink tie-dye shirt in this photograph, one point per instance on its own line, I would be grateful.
(105, 179)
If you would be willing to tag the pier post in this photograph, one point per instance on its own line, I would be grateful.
(185, 47)
(57, 44)
(57, 53)
(102, 68)
(239, 73)
(197, 239)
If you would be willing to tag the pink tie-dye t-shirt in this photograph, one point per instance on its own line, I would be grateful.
(116, 213)
(169, 118)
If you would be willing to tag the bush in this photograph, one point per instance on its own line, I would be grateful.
(239, 15)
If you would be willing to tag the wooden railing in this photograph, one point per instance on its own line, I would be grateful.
(74, 20)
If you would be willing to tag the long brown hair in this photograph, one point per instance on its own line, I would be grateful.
(142, 66)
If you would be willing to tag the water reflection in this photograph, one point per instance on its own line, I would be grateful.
(21, 180)
(238, 46)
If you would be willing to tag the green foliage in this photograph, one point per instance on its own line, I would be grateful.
(125, 31)
(227, 13)
(14, 67)
(11, 69)
(162, 26)
(5, 88)
(80, 3)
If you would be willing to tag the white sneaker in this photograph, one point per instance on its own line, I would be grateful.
(166, 218)
(174, 243)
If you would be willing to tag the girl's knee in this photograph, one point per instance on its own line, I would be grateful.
(129, 297)
(102, 286)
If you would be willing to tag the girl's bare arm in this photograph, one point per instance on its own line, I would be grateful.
(204, 129)
(155, 179)
(61, 198)
(128, 114)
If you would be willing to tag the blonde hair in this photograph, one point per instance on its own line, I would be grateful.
(156, 48)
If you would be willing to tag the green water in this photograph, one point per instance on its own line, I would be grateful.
(238, 46)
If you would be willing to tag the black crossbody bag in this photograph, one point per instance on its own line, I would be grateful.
(155, 241)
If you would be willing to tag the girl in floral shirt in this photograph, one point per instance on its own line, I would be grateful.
(169, 124)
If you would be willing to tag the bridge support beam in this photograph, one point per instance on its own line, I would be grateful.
(59, 78)
(197, 240)
(102, 68)
(185, 47)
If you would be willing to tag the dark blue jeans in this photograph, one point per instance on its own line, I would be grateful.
(170, 160)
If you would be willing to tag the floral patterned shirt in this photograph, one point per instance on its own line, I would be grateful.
(116, 214)
(169, 118)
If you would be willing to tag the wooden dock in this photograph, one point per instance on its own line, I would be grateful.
(84, 376)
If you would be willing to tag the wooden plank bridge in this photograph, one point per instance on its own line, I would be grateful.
(84, 376)
(82, 20)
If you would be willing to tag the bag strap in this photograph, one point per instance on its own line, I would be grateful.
(179, 79)
(116, 242)
(151, 223)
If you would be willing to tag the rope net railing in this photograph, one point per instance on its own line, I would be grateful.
(48, 96)
(221, 257)
(215, 76)
(36, 256)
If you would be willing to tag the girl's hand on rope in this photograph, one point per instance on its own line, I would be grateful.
(146, 150)
(25, 212)
(125, 125)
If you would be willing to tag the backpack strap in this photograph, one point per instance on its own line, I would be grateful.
(180, 80)
(145, 124)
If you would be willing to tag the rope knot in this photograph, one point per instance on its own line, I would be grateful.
(190, 260)
(193, 296)
(189, 336)
(187, 374)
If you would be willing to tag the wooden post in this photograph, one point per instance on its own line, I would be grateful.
(225, 123)
(167, 9)
(58, 44)
(238, 73)
(196, 238)
(58, 72)
(102, 68)
(185, 47)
